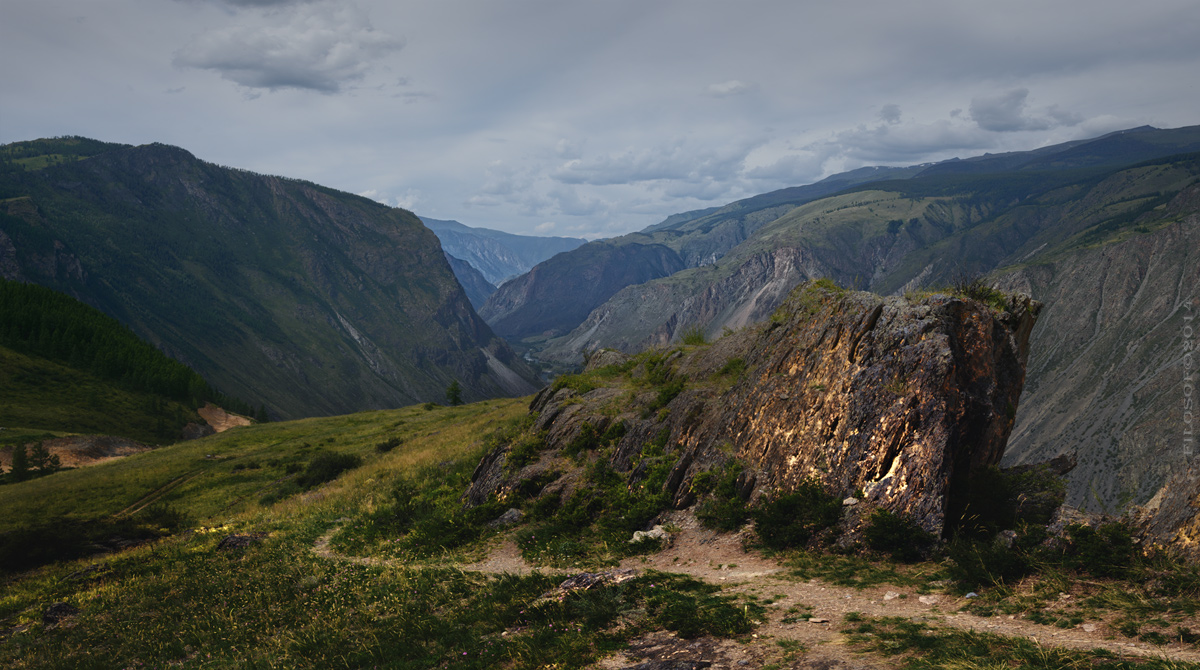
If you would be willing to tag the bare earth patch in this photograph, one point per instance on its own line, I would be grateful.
(81, 450)
(219, 419)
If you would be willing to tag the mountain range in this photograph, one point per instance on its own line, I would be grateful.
(290, 295)
(497, 255)
(1099, 230)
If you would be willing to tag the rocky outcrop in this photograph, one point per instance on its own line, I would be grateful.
(1172, 517)
(899, 400)
(894, 400)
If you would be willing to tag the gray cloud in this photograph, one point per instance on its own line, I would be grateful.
(315, 47)
(1006, 112)
(263, 3)
(628, 110)
(890, 113)
(729, 88)
(682, 160)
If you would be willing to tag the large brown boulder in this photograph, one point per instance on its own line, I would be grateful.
(896, 400)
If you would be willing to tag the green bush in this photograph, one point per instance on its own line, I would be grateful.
(792, 519)
(326, 467)
(896, 536)
(974, 288)
(666, 393)
(733, 367)
(999, 500)
(976, 563)
(388, 444)
(590, 439)
(1106, 551)
(694, 335)
(64, 538)
(580, 383)
(722, 507)
(524, 451)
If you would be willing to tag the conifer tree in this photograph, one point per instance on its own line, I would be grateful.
(454, 394)
(20, 464)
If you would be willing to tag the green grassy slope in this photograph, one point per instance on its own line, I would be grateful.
(39, 394)
(181, 600)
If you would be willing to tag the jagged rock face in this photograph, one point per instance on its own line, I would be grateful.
(899, 400)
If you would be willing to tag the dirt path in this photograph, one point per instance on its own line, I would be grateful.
(719, 559)
(150, 498)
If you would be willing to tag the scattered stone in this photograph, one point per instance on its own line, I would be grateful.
(971, 595)
(655, 533)
(89, 571)
(1089, 627)
(928, 600)
(891, 595)
(669, 665)
(231, 542)
(605, 358)
(57, 612)
(818, 620)
(587, 580)
(512, 516)
(850, 502)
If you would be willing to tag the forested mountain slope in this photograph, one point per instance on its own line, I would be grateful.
(285, 293)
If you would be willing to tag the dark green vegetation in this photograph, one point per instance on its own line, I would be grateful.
(68, 367)
(920, 645)
(281, 292)
(46, 396)
(173, 596)
(792, 519)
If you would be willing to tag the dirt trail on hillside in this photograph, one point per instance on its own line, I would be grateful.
(718, 558)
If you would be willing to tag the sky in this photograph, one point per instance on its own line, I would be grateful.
(590, 119)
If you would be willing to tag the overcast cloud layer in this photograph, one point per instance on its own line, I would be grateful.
(589, 118)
